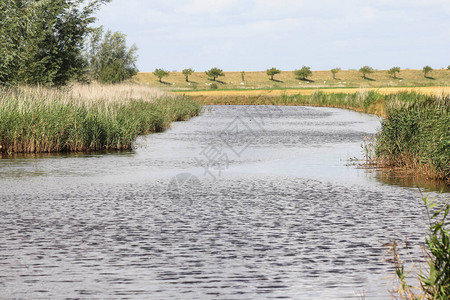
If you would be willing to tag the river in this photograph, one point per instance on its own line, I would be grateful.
(242, 202)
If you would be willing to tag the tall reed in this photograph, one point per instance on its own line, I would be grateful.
(416, 134)
(43, 120)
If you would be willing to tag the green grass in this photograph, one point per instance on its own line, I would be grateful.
(39, 121)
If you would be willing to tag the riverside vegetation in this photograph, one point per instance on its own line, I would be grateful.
(85, 118)
(433, 280)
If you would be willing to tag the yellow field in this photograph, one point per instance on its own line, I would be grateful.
(286, 79)
(432, 90)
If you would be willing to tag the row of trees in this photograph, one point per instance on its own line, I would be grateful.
(213, 73)
(52, 42)
(301, 74)
(305, 72)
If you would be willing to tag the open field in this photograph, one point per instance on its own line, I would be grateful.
(287, 80)
(85, 118)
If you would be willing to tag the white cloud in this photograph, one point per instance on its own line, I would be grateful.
(277, 31)
(208, 6)
(369, 13)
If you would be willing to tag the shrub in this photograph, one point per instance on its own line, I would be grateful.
(426, 70)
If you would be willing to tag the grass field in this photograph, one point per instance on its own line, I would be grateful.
(287, 80)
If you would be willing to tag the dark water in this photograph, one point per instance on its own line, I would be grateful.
(239, 203)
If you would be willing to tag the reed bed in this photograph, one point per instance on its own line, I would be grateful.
(85, 118)
(363, 101)
(416, 134)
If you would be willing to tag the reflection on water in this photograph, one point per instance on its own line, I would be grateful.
(404, 180)
(276, 213)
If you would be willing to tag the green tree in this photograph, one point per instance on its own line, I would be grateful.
(426, 70)
(109, 59)
(448, 68)
(272, 72)
(303, 73)
(187, 73)
(393, 71)
(335, 71)
(366, 70)
(214, 73)
(160, 73)
(42, 41)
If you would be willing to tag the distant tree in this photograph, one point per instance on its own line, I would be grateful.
(272, 72)
(109, 59)
(448, 68)
(243, 76)
(303, 73)
(187, 73)
(366, 70)
(160, 73)
(393, 71)
(427, 70)
(214, 73)
(335, 71)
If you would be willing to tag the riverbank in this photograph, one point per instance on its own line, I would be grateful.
(85, 118)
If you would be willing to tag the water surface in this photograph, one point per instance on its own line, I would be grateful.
(239, 203)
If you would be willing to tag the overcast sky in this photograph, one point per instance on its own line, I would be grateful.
(254, 35)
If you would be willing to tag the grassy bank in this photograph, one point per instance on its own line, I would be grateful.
(287, 79)
(85, 118)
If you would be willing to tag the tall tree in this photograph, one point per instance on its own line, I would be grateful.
(42, 41)
(110, 61)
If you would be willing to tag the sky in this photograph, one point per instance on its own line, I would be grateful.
(255, 35)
